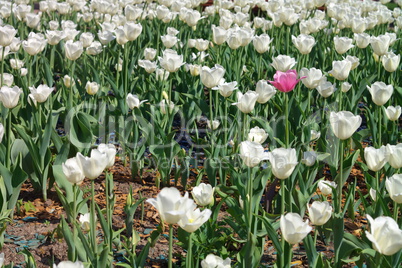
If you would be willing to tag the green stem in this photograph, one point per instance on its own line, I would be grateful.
(8, 148)
(109, 206)
(340, 182)
(74, 217)
(93, 218)
(283, 213)
(189, 257)
(71, 95)
(286, 120)
(170, 263)
(379, 141)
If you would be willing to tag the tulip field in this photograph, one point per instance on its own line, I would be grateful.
(195, 133)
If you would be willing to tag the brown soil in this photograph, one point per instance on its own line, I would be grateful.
(34, 226)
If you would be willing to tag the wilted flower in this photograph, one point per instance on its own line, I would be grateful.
(211, 77)
(252, 153)
(393, 113)
(9, 96)
(171, 61)
(73, 171)
(385, 235)
(246, 102)
(344, 124)
(319, 212)
(265, 91)
(283, 63)
(226, 89)
(133, 101)
(212, 261)
(341, 69)
(92, 88)
(257, 134)
(41, 93)
(326, 186)
(293, 228)
(285, 81)
(304, 43)
(380, 92)
(283, 162)
(171, 205)
(375, 158)
(203, 194)
(390, 61)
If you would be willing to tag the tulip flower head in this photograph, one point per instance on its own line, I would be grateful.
(326, 186)
(394, 187)
(375, 158)
(319, 212)
(283, 162)
(293, 228)
(41, 93)
(133, 101)
(380, 92)
(393, 113)
(69, 264)
(385, 235)
(246, 102)
(344, 124)
(393, 153)
(203, 194)
(171, 205)
(193, 219)
(252, 153)
(212, 261)
(285, 81)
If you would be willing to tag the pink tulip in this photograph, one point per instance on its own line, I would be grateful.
(285, 81)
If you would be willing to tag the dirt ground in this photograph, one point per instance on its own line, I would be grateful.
(34, 226)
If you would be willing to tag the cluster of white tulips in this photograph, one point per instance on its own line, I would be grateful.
(250, 95)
